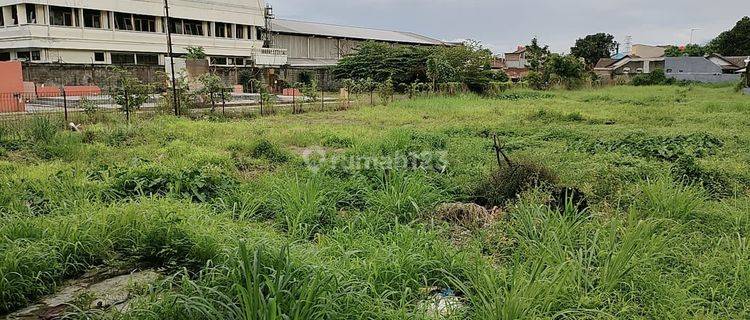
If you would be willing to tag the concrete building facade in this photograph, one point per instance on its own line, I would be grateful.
(68, 41)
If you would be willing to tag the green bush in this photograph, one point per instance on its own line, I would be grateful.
(41, 130)
(656, 77)
(509, 181)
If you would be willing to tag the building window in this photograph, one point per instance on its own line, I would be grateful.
(4, 56)
(193, 28)
(175, 26)
(61, 16)
(123, 21)
(669, 70)
(223, 30)
(99, 57)
(31, 13)
(240, 32)
(14, 15)
(144, 23)
(92, 18)
(218, 61)
(258, 33)
(2, 18)
(147, 59)
(29, 55)
(626, 70)
(639, 70)
(123, 58)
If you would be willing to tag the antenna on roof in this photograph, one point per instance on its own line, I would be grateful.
(628, 45)
(268, 33)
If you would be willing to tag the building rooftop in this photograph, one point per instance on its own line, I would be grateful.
(330, 30)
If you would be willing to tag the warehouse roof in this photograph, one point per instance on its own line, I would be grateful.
(330, 30)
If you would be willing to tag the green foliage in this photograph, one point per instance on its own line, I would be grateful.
(195, 53)
(90, 108)
(386, 91)
(242, 229)
(655, 78)
(509, 181)
(536, 55)
(667, 148)
(270, 286)
(213, 89)
(665, 199)
(567, 71)
(41, 130)
(129, 92)
(594, 47)
(305, 206)
(197, 184)
(469, 64)
(690, 50)
(380, 61)
(245, 77)
(735, 42)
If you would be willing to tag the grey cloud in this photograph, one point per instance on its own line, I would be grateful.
(502, 25)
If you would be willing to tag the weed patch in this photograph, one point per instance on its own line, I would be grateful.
(667, 148)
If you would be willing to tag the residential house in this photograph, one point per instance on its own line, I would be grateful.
(713, 68)
(516, 64)
(609, 69)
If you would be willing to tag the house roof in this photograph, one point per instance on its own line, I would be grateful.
(737, 60)
(330, 30)
(605, 62)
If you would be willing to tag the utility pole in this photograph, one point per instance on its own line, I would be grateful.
(171, 60)
(692, 32)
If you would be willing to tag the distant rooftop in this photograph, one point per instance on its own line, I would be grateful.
(336, 31)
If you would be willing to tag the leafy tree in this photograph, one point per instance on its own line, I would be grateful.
(566, 70)
(735, 42)
(129, 92)
(379, 61)
(691, 50)
(536, 55)
(213, 89)
(385, 91)
(195, 53)
(594, 47)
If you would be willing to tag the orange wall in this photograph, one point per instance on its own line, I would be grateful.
(11, 81)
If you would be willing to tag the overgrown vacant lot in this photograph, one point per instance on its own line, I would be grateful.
(243, 226)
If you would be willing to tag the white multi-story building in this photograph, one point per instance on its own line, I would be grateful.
(133, 32)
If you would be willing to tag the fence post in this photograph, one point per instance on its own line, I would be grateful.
(65, 105)
(322, 98)
(261, 104)
(223, 103)
(127, 105)
(294, 101)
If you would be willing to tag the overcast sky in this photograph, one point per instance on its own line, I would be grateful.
(503, 25)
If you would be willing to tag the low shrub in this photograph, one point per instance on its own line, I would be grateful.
(688, 171)
(509, 181)
(41, 130)
(197, 184)
(265, 149)
(664, 198)
(668, 148)
(656, 77)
